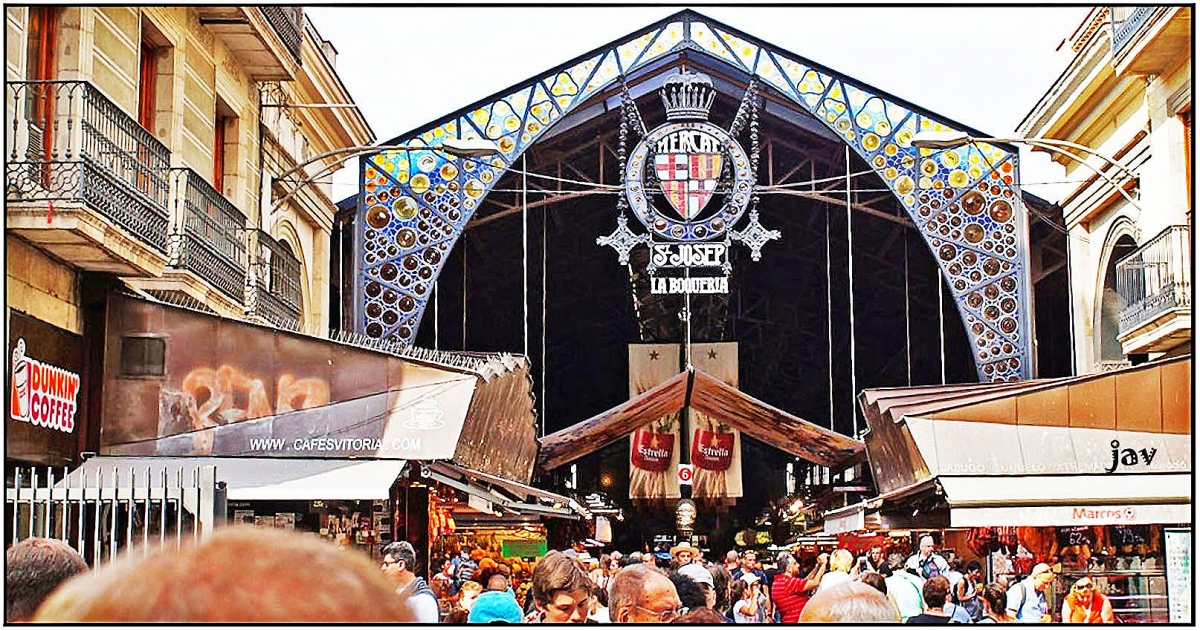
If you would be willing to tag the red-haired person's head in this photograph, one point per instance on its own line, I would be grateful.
(238, 574)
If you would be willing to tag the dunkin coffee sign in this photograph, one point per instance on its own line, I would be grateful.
(42, 394)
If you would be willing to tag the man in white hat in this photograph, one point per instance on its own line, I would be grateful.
(704, 578)
(684, 553)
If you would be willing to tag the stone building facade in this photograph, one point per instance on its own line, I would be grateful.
(144, 149)
(1127, 93)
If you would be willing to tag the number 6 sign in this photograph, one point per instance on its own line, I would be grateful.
(685, 474)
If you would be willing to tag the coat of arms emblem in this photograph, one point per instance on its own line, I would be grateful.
(689, 182)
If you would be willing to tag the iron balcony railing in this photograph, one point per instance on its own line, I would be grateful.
(288, 23)
(1126, 22)
(1155, 278)
(278, 285)
(66, 141)
(210, 238)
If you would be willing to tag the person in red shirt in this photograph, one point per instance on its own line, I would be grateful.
(790, 592)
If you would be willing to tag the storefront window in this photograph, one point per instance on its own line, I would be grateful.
(1129, 568)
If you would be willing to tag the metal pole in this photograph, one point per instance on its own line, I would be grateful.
(146, 518)
(687, 317)
(162, 520)
(48, 524)
(829, 307)
(32, 499)
(16, 524)
(545, 283)
(97, 517)
(850, 274)
(525, 251)
(907, 320)
(464, 292)
(941, 327)
(112, 531)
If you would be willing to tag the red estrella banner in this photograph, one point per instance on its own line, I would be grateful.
(716, 448)
(653, 448)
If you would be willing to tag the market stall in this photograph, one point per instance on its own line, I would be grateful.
(1085, 472)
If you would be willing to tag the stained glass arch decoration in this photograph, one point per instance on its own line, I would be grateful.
(965, 202)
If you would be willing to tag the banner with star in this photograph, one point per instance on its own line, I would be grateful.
(653, 448)
(716, 448)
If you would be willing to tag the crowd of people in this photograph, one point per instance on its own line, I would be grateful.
(245, 574)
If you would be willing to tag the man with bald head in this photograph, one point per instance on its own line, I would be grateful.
(642, 593)
(926, 562)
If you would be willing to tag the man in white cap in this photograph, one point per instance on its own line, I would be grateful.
(704, 578)
(1027, 599)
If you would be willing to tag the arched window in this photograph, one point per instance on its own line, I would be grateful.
(280, 298)
(1110, 302)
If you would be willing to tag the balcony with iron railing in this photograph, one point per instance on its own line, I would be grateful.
(1154, 285)
(266, 40)
(210, 234)
(277, 289)
(288, 23)
(1149, 39)
(1126, 22)
(70, 144)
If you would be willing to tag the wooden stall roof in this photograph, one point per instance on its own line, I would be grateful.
(1152, 397)
(697, 390)
(920, 433)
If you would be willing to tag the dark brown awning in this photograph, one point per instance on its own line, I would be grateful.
(696, 390)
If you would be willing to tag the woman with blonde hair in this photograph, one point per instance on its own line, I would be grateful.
(1086, 604)
(839, 569)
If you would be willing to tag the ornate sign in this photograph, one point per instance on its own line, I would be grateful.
(689, 183)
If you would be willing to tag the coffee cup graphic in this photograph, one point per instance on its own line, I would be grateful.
(20, 383)
(425, 414)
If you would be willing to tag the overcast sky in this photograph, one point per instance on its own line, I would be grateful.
(983, 67)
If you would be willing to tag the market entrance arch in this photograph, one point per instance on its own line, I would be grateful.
(965, 202)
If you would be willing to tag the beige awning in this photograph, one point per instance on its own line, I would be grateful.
(248, 478)
(1040, 427)
(1098, 449)
(979, 501)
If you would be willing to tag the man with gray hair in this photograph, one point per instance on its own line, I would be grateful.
(642, 593)
(850, 601)
(33, 568)
(399, 561)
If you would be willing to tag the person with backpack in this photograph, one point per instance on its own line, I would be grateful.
(1027, 598)
(926, 562)
(904, 587)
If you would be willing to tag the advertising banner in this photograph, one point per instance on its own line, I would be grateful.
(715, 447)
(653, 448)
(227, 388)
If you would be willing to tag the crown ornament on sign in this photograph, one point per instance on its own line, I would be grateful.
(687, 96)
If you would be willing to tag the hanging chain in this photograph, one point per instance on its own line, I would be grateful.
(752, 93)
(623, 135)
(743, 113)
